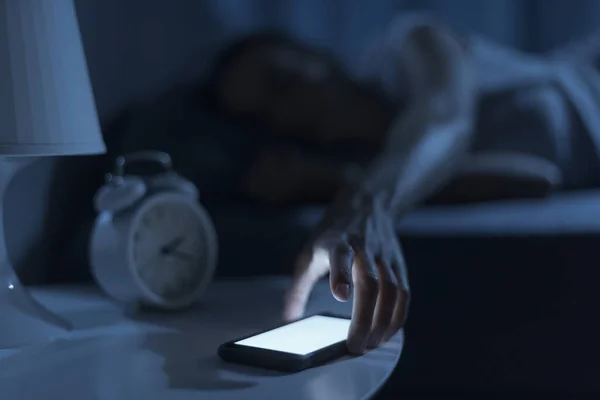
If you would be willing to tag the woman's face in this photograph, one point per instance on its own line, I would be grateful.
(294, 92)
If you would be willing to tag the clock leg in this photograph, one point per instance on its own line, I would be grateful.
(23, 320)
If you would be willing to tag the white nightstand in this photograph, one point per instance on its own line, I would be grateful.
(110, 356)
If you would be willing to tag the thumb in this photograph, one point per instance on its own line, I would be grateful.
(309, 270)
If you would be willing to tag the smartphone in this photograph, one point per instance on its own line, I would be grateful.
(292, 347)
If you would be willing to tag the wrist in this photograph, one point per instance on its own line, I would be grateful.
(354, 202)
(372, 203)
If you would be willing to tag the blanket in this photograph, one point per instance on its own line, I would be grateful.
(546, 106)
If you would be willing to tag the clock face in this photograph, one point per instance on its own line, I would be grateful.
(168, 248)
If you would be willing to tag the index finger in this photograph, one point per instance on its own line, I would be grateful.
(310, 269)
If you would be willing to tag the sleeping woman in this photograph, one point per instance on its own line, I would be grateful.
(525, 137)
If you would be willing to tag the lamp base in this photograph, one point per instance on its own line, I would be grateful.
(23, 320)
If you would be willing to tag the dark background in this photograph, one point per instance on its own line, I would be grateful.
(137, 49)
(488, 324)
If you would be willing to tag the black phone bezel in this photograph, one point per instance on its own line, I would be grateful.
(279, 360)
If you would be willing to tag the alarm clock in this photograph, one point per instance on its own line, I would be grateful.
(152, 242)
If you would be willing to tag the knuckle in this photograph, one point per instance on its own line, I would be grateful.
(404, 294)
(346, 270)
(370, 282)
(342, 252)
(388, 276)
(329, 238)
(357, 241)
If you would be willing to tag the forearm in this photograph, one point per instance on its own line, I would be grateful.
(397, 181)
(427, 143)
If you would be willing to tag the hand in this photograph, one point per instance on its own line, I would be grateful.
(360, 252)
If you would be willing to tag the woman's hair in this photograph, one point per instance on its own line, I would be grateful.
(233, 53)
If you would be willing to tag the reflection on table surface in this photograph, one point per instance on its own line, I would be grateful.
(125, 355)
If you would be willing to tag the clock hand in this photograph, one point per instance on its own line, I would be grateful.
(171, 246)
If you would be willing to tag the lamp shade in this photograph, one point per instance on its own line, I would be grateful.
(47, 105)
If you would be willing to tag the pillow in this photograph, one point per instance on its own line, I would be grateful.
(498, 176)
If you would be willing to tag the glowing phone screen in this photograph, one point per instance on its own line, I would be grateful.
(301, 337)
